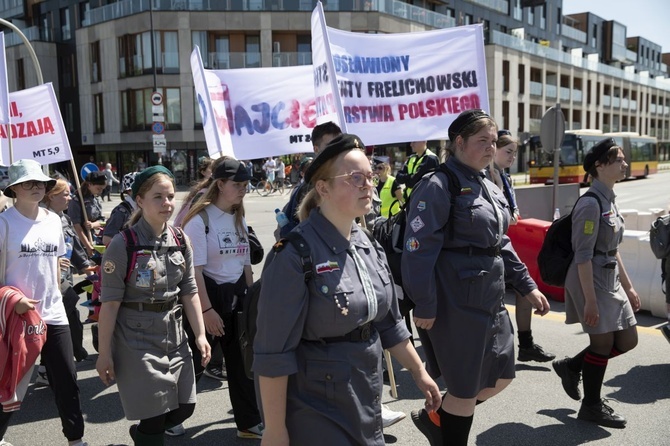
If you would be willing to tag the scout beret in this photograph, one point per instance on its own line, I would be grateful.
(146, 174)
(596, 152)
(96, 177)
(465, 119)
(231, 169)
(340, 144)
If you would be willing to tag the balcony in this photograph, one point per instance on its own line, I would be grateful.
(34, 33)
(633, 105)
(616, 102)
(536, 89)
(291, 59)
(606, 128)
(12, 8)
(224, 61)
(534, 125)
(576, 126)
(496, 5)
(607, 101)
(577, 95)
(652, 108)
(625, 104)
(573, 33)
(551, 91)
(396, 8)
(565, 94)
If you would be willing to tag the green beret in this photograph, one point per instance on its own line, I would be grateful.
(340, 144)
(597, 151)
(148, 173)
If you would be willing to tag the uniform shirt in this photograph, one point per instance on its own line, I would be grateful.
(32, 260)
(223, 252)
(93, 206)
(118, 218)
(157, 275)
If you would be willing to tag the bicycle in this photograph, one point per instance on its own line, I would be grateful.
(265, 188)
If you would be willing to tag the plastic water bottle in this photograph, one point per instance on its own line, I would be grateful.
(557, 214)
(282, 219)
(68, 248)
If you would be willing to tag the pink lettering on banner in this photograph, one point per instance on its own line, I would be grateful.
(438, 106)
(28, 129)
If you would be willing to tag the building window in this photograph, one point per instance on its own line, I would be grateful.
(67, 70)
(543, 17)
(68, 116)
(98, 114)
(84, 10)
(469, 19)
(65, 24)
(137, 111)
(46, 33)
(531, 15)
(517, 10)
(196, 114)
(95, 62)
(135, 53)
(20, 75)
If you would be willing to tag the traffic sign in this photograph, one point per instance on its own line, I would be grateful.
(157, 109)
(156, 98)
(552, 129)
(158, 128)
(86, 169)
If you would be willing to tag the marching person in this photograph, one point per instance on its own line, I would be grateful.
(598, 291)
(33, 240)
(318, 349)
(91, 189)
(390, 192)
(454, 267)
(120, 215)
(110, 181)
(504, 157)
(223, 274)
(142, 342)
(422, 161)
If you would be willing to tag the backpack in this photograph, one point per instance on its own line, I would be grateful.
(390, 232)
(132, 248)
(556, 252)
(247, 315)
(659, 237)
(256, 252)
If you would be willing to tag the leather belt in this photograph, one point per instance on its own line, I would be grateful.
(611, 253)
(156, 307)
(492, 251)
(358, 334)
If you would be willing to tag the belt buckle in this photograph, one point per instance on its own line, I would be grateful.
(365, 332)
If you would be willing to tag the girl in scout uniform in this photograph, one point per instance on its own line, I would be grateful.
(91, 189)
(598, 292)
(319, 343)
(142, 342)
(454, 267)
(223, 273)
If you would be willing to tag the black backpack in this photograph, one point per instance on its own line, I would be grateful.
(556, 252)
(659, 237)
(390, 232)
(248, 313)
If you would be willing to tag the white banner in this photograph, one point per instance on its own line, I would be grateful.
(37, 128)
(253, 113)
(4, 87)
(405, 86)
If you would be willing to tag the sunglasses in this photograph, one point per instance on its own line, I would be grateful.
(28, 185)
(358, 179)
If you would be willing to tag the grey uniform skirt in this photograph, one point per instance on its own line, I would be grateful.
(152, 362)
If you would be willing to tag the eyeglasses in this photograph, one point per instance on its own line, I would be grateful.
(358, 179)
(28, 185)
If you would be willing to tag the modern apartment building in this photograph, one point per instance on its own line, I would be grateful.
(98, 54)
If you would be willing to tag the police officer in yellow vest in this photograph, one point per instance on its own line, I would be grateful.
(390, 192)
(422, 161)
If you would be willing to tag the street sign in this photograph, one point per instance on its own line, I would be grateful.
(158, 128)
(86, 169)
(157, 109)
(156, 98)
(159, 118)
(552, 129)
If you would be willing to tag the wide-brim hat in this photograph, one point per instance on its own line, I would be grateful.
(26, 170)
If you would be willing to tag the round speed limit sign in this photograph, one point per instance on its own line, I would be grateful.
(156, 98)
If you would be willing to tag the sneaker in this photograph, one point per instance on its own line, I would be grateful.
(535, 353)
(79, 442)
(601, 414)
(4, 443)
(42, 378)
(569, 379)
(176, 431)
(666, 331)
(216, 372)
(423, 422)
(391, 417)
(253, 433)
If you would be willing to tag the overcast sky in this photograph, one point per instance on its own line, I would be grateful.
(645, 18)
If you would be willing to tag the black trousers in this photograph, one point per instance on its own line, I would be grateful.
(240, 388)
(57, 356)
(70, 301)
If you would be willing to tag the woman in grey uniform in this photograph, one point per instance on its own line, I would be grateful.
(142, 342)
(455, 265)
(319, 343)
(598, 292)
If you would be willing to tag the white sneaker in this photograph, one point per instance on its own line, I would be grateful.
(391, 417)
(253, 433)
(81, 442)
(4, 443)
(176, 431)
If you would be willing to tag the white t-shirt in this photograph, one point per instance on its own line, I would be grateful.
(224, 252)
(32, 260)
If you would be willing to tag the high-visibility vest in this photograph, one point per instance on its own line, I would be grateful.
(388, 199)
(413, 165)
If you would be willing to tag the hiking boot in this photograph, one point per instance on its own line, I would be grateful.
(176, 431)
(253, 433)
(391, 417)
(216, 372)
(601, 414)
(569, 379)
(666, 331)
(534, 353)
(423, 422)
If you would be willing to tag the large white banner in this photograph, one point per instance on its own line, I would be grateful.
(4, 88)
(36, 128)
(255, 112)
(405, 86)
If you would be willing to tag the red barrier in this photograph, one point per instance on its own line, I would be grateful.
(527, 237)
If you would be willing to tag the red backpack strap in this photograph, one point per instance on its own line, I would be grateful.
(130, 237)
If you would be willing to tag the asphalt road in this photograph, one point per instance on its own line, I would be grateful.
(533, 411)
